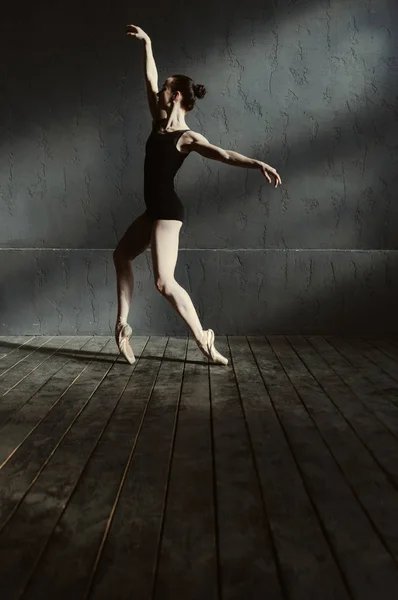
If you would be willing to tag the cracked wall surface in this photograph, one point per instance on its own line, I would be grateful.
(309, 87)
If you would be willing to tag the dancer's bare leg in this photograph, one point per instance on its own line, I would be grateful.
(164, 246)
(136, 240)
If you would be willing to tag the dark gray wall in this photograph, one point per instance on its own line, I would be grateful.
(308, 86)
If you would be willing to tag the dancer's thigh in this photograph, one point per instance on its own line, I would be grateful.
(164, 247)
(136, 239)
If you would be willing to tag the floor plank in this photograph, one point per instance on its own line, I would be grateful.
(305, 559)
(30, 376)
(348, 435)
(10, 343)
(275, 476)
(32, 506)
(368, 363)
(27, 409)
(25, 352)
(245, 545)
(384, 346)
(337, 507)
(385, 363)
(40, 360)
(65, 567)
(364, 389)
(189, 521)
(135, 529)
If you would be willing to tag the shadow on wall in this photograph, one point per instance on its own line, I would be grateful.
(63, 88)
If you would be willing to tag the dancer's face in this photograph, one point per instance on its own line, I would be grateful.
(165, 95)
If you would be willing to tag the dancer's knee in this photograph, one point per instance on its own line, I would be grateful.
(165, 286)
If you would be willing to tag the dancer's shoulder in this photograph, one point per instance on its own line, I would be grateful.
(190, 140)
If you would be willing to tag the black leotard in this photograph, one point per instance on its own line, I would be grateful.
(162, 161)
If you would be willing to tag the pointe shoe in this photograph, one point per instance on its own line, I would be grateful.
(209, 350)
(123, 333)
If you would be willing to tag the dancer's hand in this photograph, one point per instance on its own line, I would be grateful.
(265, 169)
(137, 32)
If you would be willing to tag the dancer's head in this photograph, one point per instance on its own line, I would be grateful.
(182, 89)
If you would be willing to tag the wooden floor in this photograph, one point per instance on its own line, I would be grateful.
(275, 477)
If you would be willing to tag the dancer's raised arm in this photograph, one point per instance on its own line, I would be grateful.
(196, 142)
(151, 73)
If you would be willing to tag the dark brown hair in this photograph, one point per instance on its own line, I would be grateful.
(189, 90)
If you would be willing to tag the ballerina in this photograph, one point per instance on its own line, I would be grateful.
(168, 145)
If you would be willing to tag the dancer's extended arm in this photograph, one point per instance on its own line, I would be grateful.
(151, 73)
(196, 142)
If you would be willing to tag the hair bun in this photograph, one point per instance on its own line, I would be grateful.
(199, 90)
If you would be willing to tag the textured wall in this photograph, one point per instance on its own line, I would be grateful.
(308, 86)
